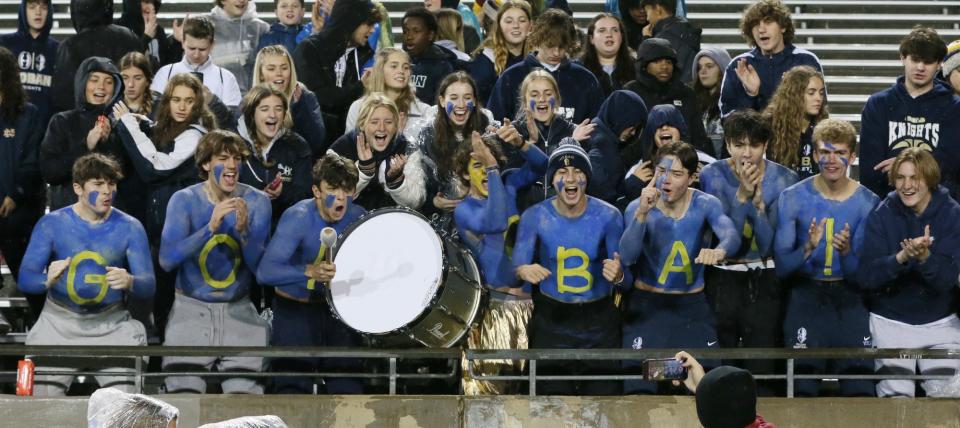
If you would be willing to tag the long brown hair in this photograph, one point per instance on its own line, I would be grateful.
(788, 116)
(248, 109)
(625, 69)
(445, 137)
(496, 42)
(167, 128)
(140, 62)
(12, 95)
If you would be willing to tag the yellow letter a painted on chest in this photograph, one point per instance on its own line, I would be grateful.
(669, 267)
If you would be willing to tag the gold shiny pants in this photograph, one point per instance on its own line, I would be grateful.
(504, 326)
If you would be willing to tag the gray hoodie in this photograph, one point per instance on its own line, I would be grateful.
(235, 42)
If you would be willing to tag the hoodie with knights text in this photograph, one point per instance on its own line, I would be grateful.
(892, 121)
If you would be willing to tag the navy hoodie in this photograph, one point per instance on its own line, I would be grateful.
(36, 59)
(19, 153)
(580, 92)
(892, 120)
(428, 70)
(622, 110)
(769, 68)
(660, 115)
(280, 34)
(914, 293)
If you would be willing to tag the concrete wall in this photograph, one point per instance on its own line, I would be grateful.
(507, 412)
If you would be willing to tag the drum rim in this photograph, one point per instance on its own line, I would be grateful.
(444, 268)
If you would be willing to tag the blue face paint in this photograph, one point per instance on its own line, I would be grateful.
(92, 198)
(449, 108)
(533, 105)
(558, 185)
(329, 200)
(349, 200)
(553, 103)
(666, 165)
(471, 105)
(217, 171)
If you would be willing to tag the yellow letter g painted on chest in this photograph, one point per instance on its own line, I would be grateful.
(90, 279)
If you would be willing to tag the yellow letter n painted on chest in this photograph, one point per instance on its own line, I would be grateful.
(669, 267)
(581, 271)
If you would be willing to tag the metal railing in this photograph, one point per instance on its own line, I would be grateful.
(532, 356)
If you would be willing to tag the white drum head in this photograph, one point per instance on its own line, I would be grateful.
(388, 270)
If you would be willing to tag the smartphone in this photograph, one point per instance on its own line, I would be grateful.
(275, 183)
(664, 369)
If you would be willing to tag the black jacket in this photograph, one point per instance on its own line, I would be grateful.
(96, 36)
(673, 92)
(316, 57)
(66, 138)
(290, 156)
(685, 39)
(19, 152)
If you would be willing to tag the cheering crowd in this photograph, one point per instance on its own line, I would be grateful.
(620, 187)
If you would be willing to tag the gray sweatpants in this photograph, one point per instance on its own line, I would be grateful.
(58, 325)
(196, 323)
(940, 334)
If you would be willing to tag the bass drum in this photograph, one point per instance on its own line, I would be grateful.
(399, 281)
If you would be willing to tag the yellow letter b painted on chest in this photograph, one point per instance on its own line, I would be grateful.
(669, 267)
(581, 271)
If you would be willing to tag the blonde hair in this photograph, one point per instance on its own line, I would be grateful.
(371, 103)
(537, 74)
(836, 131)
(450, 26)
(788, 116)
(496, 42)
(377, 82)
(277, 50)
(926, 166)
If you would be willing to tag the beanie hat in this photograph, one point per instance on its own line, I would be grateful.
(718, 54)
(569, 154)
(727, 398)
(952, 60)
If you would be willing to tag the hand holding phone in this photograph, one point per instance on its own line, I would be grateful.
(662, 369)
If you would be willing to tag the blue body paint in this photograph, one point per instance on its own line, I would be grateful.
(217, 170)
(570, 248)
(92, 198)
(719, 179)
(213, 266)
(664, 248)
(119, 241)
(800, 203)
(329, 200)
(665, 164)
(488, 226)
(295, 244)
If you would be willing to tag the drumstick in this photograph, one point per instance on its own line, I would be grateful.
(328, 237)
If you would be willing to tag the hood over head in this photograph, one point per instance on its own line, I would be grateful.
(621, 110)
(90, 13)
(90, 65)
(346, 16)
(24, 28)
(653, 49)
